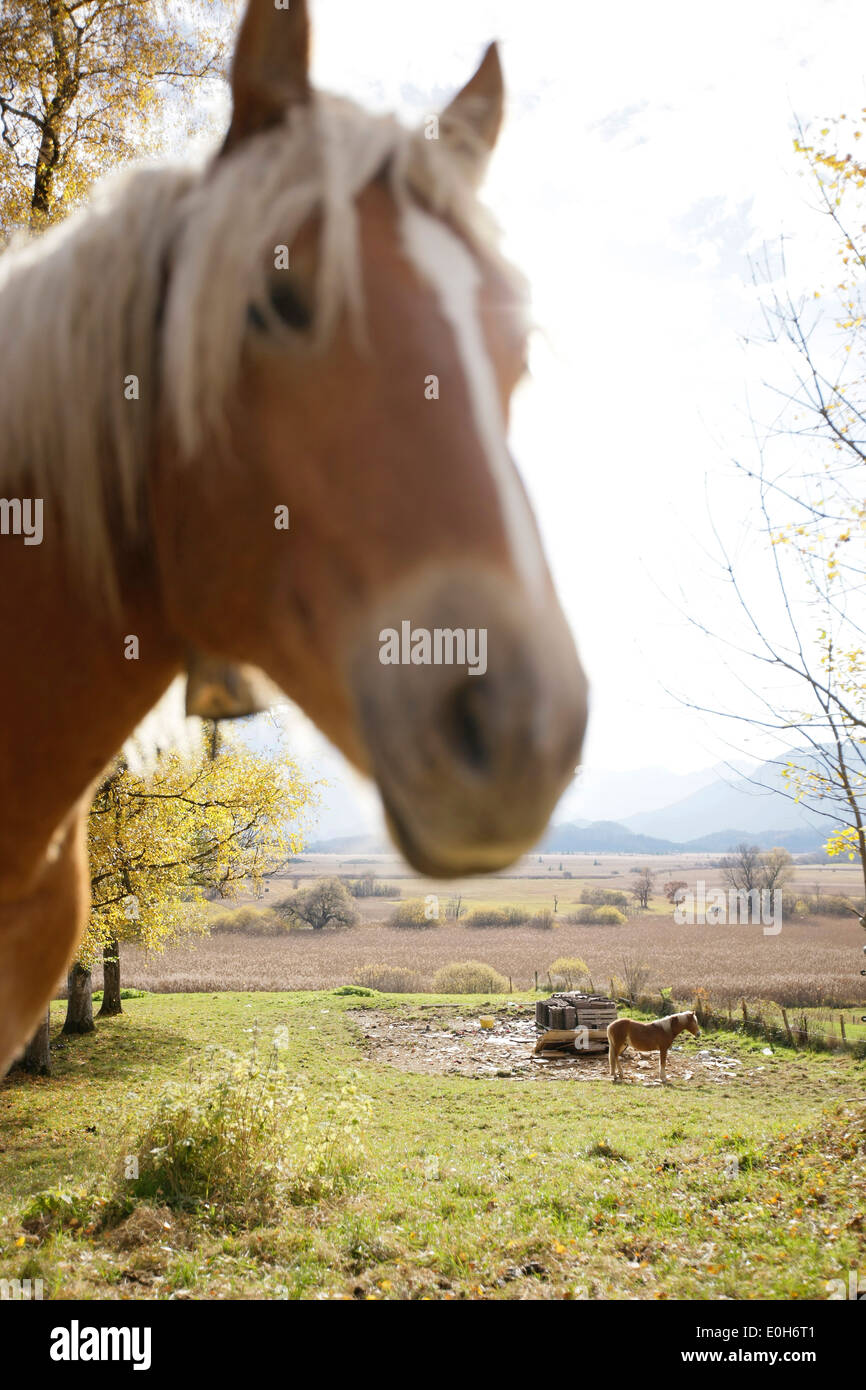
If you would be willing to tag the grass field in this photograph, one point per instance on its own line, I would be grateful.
(536, 880)
(501, 1187)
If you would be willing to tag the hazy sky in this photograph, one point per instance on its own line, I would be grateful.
(646, 157)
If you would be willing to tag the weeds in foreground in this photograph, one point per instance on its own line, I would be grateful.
(240, 1137)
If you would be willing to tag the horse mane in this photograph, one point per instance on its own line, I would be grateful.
(154, 278)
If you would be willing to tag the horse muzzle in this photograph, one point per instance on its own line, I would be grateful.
(472, 710)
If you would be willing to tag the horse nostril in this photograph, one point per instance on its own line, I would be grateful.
(465, 720)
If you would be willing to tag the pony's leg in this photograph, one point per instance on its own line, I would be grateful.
(38, 935)
(663, 1055)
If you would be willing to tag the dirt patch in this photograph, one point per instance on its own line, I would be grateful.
(442, 1043)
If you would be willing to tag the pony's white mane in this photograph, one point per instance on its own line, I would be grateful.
(154, 280)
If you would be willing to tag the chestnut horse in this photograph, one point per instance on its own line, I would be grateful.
(260, 408)
(657, 1036)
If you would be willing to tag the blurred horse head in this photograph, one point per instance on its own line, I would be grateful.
(275, 436)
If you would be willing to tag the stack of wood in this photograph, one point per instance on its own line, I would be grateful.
(571, 1023)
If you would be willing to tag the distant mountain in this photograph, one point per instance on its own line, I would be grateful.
(610, 794)
(600, 836)
(799, 841)
(645, 811)
(756, 804)
(351, 844)
(610, 837)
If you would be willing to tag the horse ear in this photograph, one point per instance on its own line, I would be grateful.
(270, 69)
(470, 125)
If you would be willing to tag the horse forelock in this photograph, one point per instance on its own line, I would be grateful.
(255, 201)
(134, 310)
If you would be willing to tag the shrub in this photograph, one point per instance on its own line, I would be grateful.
(247, 921)
(604, 897)
(544, 920)
(239, 1136)
(836, 906)
(495, 917)
(371, 887)
(605, 916)
(325, 904)
(609, 917)
(412, 913)
(806, 905)
(469, 977)
(220, 1137)
(56, 1209)
(390, 979)
(635, 975)
(794, 906)
(570, 972)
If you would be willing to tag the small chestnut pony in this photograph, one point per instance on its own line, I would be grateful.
(657, 1036)
(195, 353)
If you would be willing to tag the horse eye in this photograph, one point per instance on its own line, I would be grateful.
(287, 302)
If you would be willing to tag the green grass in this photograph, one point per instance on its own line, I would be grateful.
(495, 1188)
(820, 1020)
(827, 1020)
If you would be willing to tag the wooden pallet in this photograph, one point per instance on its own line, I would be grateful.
(574, 1010)
(563, 1042)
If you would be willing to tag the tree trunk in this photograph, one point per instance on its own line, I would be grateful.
(79, 1009)
(55, 120)
(111, 981)
(36, 1058)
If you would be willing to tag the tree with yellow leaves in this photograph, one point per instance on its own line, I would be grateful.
(161, 842)
(79, 82)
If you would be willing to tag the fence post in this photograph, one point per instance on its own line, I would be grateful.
(788, 1032)
(842, 1026)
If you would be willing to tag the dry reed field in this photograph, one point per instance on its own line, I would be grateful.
(811, 962)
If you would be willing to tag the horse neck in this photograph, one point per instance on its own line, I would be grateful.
(73, 696)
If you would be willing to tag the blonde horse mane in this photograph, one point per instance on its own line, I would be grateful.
(154, 279)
